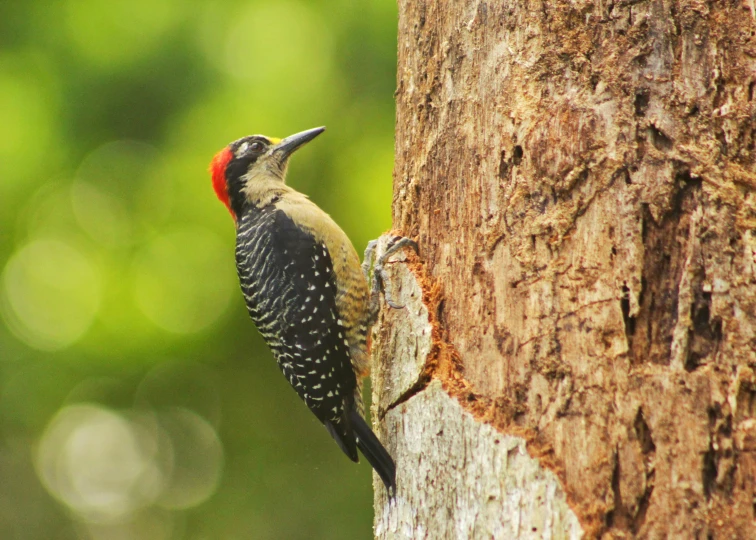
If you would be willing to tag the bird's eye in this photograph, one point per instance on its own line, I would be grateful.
(256, 146)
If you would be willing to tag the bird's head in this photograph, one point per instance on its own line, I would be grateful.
(254, 165)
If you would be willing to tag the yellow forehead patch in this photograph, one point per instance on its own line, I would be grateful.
(274, 140)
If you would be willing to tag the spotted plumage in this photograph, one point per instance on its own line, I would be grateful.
(304, 289)
(289, 285)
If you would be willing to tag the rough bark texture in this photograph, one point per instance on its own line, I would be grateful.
(581, 179)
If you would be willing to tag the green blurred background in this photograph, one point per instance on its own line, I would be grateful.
(137, 401)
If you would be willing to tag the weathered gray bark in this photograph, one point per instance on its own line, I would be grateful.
(577, 352)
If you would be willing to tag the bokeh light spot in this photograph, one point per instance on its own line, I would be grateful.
(183, 280)
(95, 462)
(197, 459)
(50, 294)
(113, 468)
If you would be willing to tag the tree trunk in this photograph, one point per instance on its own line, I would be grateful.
(577, 349)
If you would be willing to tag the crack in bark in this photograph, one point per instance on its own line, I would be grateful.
(420, 385)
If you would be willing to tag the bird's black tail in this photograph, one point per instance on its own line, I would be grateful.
(374, 451)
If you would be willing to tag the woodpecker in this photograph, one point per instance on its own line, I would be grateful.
(304, 288)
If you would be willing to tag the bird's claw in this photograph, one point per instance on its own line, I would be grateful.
(379, 276)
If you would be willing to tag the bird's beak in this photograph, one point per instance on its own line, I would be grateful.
(287, 146)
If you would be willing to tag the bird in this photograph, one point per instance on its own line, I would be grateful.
(304, 288)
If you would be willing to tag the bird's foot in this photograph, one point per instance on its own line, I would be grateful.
(377, 281)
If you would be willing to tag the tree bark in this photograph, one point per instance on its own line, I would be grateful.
(577, 349)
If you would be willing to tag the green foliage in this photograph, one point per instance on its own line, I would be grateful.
(136, 398)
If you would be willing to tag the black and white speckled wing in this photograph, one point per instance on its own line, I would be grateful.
(288, 283)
